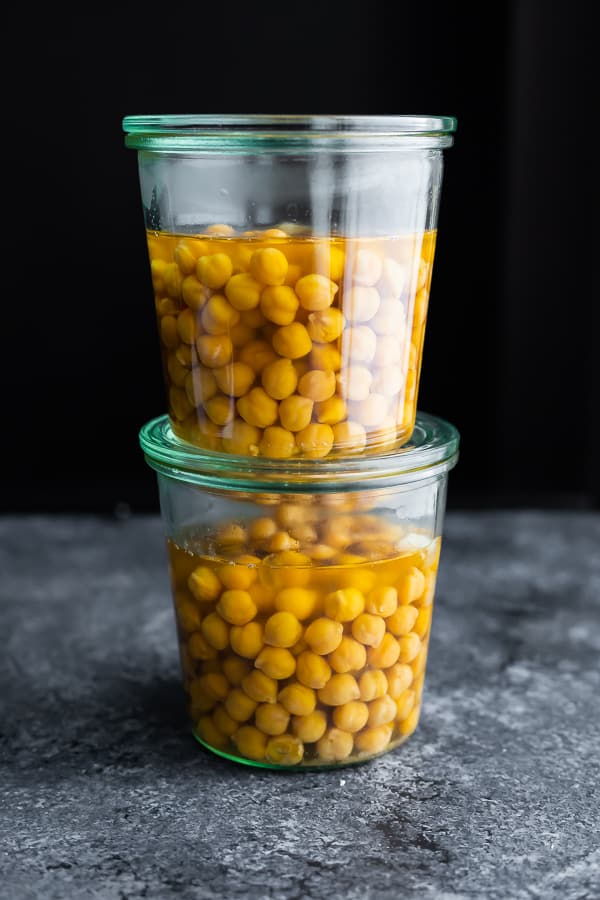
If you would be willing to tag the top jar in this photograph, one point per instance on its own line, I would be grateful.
(291, 261)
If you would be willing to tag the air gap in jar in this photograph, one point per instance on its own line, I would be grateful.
(303, 595)
(291, 261)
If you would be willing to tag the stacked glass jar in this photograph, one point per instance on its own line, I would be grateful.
(302, 494)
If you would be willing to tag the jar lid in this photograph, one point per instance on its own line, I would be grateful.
(249, 134)
(431, 452)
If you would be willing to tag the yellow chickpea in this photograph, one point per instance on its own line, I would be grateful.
(339, 689)
(372, 685)
(335, 745)
(239, 705)
(292, 341)
(410, 723)
(325, 325)
(279, 379)
(185, 256)
(188, 616)
(200, 702)
(214, 685)
(235, 669)
(179, 405)
(257, 354)
(382, 601)
(187, 326)
(373, 740)
(344, 605)
(298, 699)
(411, 586)
(410, 645)
(223, 721)
(168, 332)
(323, 635)
(250, 742)
(419, 662)
(279, 304)
(241, 438)
(215, 270)
(269, 266)
(166, 307)
(215, 630)
(219, 228)
(194, 294)
(422, 623)
(315, 441)
(288, 568)
(199, 648)
(210, 734)
(315, 292)
(200, 385)
(243, 291)
(272, 718)
(331, 411)
(231, 534)
(276, 662)
(247, 640)
(258, 408)
(368, 629)
(401, 622)
(157, 273)
(310, 728)
(301, 602)
(295, 413)
(218, 316)
(282, 629)
(284, 750)
(350, 656)
(173, 280)
(214, 350)
(312, 670)
(262, 528)
(399, 678)
(281, 541)
(239, 575)
(186, 355)
(204, 584)
(317, 385)
(382, 711)
(260, 687)
(351, 716)
(405, 704)
(236, 379)
(325, 356)
(236, 607)
(241, 335)
(219, 409)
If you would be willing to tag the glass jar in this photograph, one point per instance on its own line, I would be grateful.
(303, 594)
(291, 261)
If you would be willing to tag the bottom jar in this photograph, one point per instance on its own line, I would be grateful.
(303, 594)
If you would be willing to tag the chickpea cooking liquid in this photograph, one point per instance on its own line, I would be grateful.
(281, 346)
(304, 641)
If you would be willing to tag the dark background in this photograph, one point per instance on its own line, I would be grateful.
(512, 345)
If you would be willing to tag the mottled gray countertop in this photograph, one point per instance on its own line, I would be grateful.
(105, 794)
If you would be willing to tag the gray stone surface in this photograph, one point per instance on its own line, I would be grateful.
(104, 794)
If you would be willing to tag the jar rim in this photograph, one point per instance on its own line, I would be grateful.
(431, 452)
(231, 132)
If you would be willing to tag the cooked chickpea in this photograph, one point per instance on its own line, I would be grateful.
(388, 381)
(243, 291)
(295, 412)
(349, 436)
(331, 411)
(257, 408)
(399, 678)
(351, 716)
(312, 670)
(168, 332)
(188, 615)
(272, 718)
(372, 685)
(281, 541)
(200, 385)
(179, 405)
(354, 383)
(344, 605)
(279, 379)
(247, 640)
(359, 344)
(411, 586)
(279, 304)
(310, 728)
(301, 602)
(219, 228)
(409, 647)
(262, 595)
(282, 629)
(199, 701)
(335, 745)
(236, 607)
(370, 411)
(204, 584)
(367, 266)
(260, 687)
(214, 350)
(210, 734)
(382, 711)
(199, 648)
(325, 325)
(262, 528)
(220, 409)
(292, 341)
(235, 669)
(373, 740)
(223, 721)
(186, 355)
(239, 575)
(194, 294)
(338, 690)
(382, 601)
(422, 623)
(361, 303)
(325, 356)
(214, 685)
(386, 654)
(315, 441)
(419, 662)
(277, 443)
(285, 750)
(241, 438)
(173, 280)
(257, 354)
(404, 704)
(298, 699)
(323, 635)
(239, 705)
(410, 723)
(368, 629)
(231, 534)
(269, 266)
(315, 292)
(317, 385)
(349, 656)
(187, 327)
(402, 621)
(250, 742)
(241, 335)
(276, 662)
(215, 630)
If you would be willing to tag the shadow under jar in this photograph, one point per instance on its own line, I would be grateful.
(303, 596)
(291, 261)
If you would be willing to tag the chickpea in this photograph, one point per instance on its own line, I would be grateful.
(409, 647)
(277, 443)
(187, 326)
(367, 266)
(194, 294)
(186, 356)
(325, 325)
(359, 344)
(262, 528)
(257, 354)
(298, 699)
(390, 319)
(241, 335)
(279, 379)
(301, 602)
(405, 704)
(411, 586)
(262, 595)
(335, 745)
(288, 568)
(325, 356)
(231, 534)
(166, 307)
(368, 629)
(354, 383)
(349, 436)
(312, 670)
(410, 723)
(219, 229)
(199, 648)
(215, 631)
(419, 662)
(281, 541)
(279, 304)
(399, 678)
(239, 705)
(351, 716)
(241, 438)
(339, 689)
(350, 656)
(382, 601)
(260, 687)
(240, 574)
(210, 734)
(235, 669)
(386, 654)
(372, 685)
(315, 292)
(250, 742)
(214, 350)
(257, 408)
(393, 277)
(247, 640)
(292, 341)
(173, 280)
(382, 711)
(402, 621)
(236, 607)
(179, 405)
(219, 409)
(204, 584)
(214, 685)
(243, 291)
(200, 702)
(272, 718)
(168, 332)
(344, 605)
(361, 303)
(317, 385)
(276, 662)
(295, 413)
(373, 740)
(310, 728)
(217, 317)
(315, 441)
(323, 635)
(422, 623)
(285, 750)
(269, 266)
(294, 272)
(282, 629)
(388, 381)
(223, 721)
(200, 385)
(331, 411)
